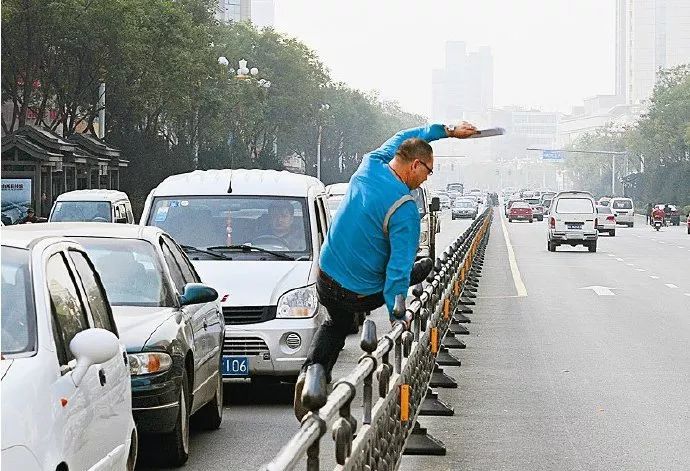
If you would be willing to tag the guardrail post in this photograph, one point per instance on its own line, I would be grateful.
(344, 428)
(368, 344)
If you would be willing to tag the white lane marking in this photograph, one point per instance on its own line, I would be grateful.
(611, 255)
(640, 269)
(517, 279)
(686, 294)
(671, 285)
(630, 264)
(601, 290)
(681, 247)
(662, 242)
(620, 259)
(654, 277)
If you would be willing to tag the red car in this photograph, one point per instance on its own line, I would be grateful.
(520, 210)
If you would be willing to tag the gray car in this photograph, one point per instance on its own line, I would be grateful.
(170, 324)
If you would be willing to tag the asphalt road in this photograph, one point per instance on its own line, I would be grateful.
(589, 370)
(258, 419)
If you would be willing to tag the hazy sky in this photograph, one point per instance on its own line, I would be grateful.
(547, 53)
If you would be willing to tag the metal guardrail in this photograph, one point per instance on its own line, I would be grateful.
(402, 384)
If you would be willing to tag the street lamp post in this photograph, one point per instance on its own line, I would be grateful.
(324, 107)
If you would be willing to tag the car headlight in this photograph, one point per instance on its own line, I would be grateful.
(300, 302)
(147, 363)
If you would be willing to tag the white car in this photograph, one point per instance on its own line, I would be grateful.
(573, 221)
(624, 210)
(92, 206)
(336, 192)
(606, 220)
(256, 237)
(66, 397)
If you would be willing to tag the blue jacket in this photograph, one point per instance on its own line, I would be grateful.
(357, 254)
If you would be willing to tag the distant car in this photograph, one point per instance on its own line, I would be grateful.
(520, 211)
(604, 201)
(335, 192)
(572, 221)
(66, 395)
(537, 208)
(92, 206)
(464, 209)
(510, 203)
(624, 210)
(606, 220)
(445, 201)
(170, 323)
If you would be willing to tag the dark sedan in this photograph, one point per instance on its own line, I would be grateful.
(170, 323)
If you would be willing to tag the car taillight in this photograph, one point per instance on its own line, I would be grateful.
(552, 222)
(610, 218)
(596, 222)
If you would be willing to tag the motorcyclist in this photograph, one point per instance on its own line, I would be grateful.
(658, 214)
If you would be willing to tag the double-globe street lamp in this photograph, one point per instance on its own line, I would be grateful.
(243, 72)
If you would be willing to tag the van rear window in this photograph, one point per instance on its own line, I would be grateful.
(574, 206)
(622, 204)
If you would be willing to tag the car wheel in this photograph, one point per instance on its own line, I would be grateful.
(632, 224)
(612, 233)
(592, 246)
(531, 221)
(510, 220)
(177, 442)
(210, 416)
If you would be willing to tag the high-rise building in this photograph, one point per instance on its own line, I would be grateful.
(650, 35)
(465, 85)
(234, 10)
(263, 13)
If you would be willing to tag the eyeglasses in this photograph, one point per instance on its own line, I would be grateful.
(431, 172)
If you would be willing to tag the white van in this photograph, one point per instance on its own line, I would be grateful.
(624, 210)
(92, 206)
(430, 224)
(255, 236)
(573, 221)
(336, 192)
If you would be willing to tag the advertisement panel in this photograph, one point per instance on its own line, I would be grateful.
(16, 199)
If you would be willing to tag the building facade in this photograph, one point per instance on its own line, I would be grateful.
(263, 13)
(650, 35)
(234, 10)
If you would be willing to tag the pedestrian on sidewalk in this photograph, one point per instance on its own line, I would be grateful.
(368, 257)
(650, 208)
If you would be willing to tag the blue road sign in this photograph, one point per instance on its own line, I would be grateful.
(552, 155)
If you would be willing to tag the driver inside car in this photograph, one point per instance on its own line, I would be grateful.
(281, 230)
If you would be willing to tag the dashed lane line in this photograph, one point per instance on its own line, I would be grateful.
(671, 285)
(654, 277)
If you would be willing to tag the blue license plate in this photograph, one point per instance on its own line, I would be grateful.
(575, 226)
(235, 366)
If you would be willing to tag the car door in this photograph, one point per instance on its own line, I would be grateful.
(115, 404)
(194, 315)
(83, 447)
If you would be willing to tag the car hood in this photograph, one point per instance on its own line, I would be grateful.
(252, 282)
(136, 324)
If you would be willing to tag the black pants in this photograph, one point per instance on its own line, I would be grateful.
(342, 305)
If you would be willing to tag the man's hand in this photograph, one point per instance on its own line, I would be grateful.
(461, 131)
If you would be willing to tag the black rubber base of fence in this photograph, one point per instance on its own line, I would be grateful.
(444, 358)
(421, 443)
(439, 379)
(432, 405)
(449, 341)
(468, 294)
(462, 319)
(458, 329)
(467, 301)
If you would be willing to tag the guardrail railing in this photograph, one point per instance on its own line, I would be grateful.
(388, 415)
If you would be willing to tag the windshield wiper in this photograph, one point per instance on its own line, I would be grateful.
(249, 248)
(191, 248)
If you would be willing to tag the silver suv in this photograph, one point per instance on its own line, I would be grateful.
(573, 221)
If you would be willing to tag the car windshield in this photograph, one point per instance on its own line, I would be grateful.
(464, 204)
(520, 204)
(604, 210)
(278, 224)
(130, 271)
(622, 204)
(574, 206)
(532, 200)
(81, 211)
(18, 318)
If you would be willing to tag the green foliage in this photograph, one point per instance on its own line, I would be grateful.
(658, 143)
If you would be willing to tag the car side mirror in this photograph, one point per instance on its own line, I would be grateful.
(92, 347)
(435, 204)
(197, 293)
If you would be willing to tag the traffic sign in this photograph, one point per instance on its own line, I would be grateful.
(552, 155)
